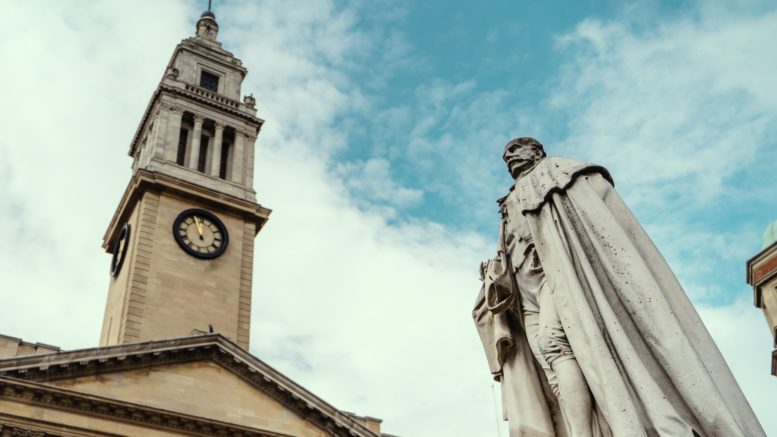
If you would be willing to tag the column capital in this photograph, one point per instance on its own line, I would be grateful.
(219, 126)
(249, 136)
(171, 107)
(198, 119)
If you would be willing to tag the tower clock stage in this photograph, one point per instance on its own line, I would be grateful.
(173, 356)
(200, 233)
(190, 202)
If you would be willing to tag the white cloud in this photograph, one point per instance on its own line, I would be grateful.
(384, 311)
(371, 317)
(372, 180)
(683, 114)
(680, 109)
(369, 313)
(71, 101)
(743, 337)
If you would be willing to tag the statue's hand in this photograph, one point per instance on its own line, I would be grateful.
(498, 286)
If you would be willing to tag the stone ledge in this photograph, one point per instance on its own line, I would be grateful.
(144, 180)
(71, 401)
(165, 89)
(211, 347)
(760, 269)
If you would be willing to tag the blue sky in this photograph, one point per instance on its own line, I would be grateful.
(437, 89)
(381, 160)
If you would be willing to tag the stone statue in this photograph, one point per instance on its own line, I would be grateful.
(583, 322)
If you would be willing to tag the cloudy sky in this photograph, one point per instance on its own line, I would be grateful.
(380, 157)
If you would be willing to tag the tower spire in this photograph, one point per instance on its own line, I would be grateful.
(186, 225)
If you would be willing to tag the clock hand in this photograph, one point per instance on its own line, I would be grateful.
(199, 225)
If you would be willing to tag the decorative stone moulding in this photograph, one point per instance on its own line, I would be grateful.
(172, 73)
(24, 379)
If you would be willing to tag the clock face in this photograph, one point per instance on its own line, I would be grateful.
(120, 250)
(200, 233)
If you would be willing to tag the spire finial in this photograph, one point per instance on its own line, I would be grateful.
(209, 11)
(207, 27)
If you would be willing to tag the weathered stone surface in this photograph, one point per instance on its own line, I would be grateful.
(15, 347)
(192, 382)
(159, 372)
(199, 389)
(193, 149)
(585, 324)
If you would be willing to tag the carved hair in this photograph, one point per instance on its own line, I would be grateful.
(527, 141)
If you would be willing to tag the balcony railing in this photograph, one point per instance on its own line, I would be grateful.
(213, 96)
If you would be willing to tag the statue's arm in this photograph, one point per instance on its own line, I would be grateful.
(498, 285)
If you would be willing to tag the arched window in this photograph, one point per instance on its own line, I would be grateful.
(182, 154)
(206, 149)
(182, 138)
(227, 150)
(203, 153)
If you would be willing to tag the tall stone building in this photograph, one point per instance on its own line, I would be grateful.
(173, 356)
(762, 276)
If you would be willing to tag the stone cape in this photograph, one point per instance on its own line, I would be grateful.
(651, 365)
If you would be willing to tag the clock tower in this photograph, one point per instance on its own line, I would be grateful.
(182, 237)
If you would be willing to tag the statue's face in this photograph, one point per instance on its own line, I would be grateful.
(520, 157)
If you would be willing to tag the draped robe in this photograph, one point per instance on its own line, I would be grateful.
(651, 365)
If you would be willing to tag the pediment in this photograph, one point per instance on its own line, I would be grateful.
(198, 388)
(204, 376)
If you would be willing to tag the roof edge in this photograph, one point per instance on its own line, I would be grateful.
(18, 390)
(209, 347)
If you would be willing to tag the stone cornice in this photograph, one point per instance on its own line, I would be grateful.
(68, 400)
(213, 348)
(35, 346)
(216, 54)
(20, 426)
(212, 103)
(146, 180)
(761, 268)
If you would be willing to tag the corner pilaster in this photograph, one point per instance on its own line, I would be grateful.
(138, 287)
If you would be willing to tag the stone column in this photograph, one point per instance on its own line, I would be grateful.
(153, 139)
(215, 162)
(238, 157)
(173, 133)
(249, 164)
(195, 155)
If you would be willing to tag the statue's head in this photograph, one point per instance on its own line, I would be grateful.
(521, 154)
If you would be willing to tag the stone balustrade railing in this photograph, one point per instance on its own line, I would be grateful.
(214, 96)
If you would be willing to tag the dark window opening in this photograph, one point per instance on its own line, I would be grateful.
(203, 153)
(184, 135)
(209, 81)
(226, 151)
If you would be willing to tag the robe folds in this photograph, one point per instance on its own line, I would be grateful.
(651, 365)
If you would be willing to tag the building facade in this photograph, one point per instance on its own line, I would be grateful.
(173, 355)
(762, 276)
